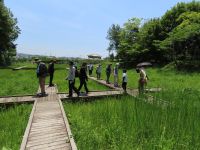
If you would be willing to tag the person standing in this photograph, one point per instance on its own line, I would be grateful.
(98, 71)
(116, 77)
(51, 72)
(142, 82)
(71, 80)
(108, 72)
(83, 78)
(41, 74)
(124, 80)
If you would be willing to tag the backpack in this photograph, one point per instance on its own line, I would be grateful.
(42, 70)
(76, 73)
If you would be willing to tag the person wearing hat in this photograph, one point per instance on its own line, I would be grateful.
(83, 78)
(98, 72)
(116, 76)
(142, 82)
(41, 74)
(108, 72)
(71, 79)
(51, 71)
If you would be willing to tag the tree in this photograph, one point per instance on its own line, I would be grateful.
(8, 34)
(114, 37)
(128, 37)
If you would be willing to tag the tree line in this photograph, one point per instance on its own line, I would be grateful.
(174, 37)
(9, 32)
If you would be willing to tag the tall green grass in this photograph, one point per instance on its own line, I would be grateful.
(129, 123)
(18, 82)
(13, 122)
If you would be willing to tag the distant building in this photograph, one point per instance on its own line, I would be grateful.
(94, 56)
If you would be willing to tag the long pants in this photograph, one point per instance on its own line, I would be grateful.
(124, 86)
(90, 72)
(42, 84)
(83, 82)
(72, 87)
(116, 78)
(108, 77)
(141, 87)
(98, 76)
(50, 79)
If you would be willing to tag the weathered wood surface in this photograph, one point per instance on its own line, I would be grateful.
(19, 68)
(134, 92)
(16, 99)
(104, 83)
(48, 130)
(93, 94)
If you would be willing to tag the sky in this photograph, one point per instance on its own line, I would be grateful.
(76, 28)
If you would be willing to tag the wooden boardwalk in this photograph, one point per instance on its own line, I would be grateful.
(48, 126)
(93, 94)
(17, 99)
(134, 92)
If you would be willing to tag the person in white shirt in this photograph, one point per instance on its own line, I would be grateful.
(71, 79)
(142, 82)
(124, 80)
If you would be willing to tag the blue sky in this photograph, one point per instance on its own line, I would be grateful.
(75, 28)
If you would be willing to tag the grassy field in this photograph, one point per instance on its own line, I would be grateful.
(17, 82)
(13, 121)
(128, 123)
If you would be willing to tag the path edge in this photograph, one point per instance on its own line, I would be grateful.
(28, 127)
(71, 138)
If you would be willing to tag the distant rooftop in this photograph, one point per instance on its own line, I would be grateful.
(94, 56)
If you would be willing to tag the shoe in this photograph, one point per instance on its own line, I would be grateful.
(44, 94)
(39, 94)
(69, 96)
(78, 94)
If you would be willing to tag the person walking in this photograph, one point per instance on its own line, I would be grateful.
(108, 72)
(98, 71)
(124, 80)
(142, 82)
(83, 78)
(41, 74)
(116, 77)
(51, 72)
(90, 69)
(71, 80)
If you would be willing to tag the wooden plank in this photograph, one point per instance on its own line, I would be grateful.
(25, 137)
(8, 100)
(72, 141)
(19, 68)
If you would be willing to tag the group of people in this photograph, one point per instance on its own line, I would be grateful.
(142, 82)
(42, 72)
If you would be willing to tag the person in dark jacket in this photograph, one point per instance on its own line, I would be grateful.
(51, 72)
(108, 72)
(83, 78)
(41, 74)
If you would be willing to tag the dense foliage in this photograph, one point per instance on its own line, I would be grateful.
(172, 38)
(8, 34)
